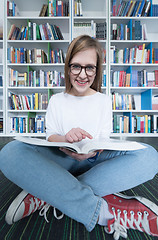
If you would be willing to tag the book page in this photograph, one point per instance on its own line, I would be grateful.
(112, 144)
(85, 146)
(44, 142)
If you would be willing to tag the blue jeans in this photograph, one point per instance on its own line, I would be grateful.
(76, 188)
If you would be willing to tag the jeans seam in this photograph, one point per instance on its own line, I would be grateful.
(95, 216)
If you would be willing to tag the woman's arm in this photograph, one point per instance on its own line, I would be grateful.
(56, 138)
(74, 135)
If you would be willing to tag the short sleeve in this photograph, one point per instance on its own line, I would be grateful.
(51, 118)
(106, 117)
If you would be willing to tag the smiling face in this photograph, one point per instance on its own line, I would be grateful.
(81, 83)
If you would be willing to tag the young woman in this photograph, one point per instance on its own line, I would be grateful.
(83, 186)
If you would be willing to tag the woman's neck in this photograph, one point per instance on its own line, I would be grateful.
(87, 93)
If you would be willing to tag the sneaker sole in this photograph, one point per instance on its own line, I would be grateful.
(9, 218)
(152, 206)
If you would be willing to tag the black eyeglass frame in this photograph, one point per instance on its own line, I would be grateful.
(83, 67)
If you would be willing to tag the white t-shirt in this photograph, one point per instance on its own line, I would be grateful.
(92, 113)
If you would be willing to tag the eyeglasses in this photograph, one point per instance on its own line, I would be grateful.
(76, 69)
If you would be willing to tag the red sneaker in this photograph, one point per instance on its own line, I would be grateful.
(23, 205)
(134, 212)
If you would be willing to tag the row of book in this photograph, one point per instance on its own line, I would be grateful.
(56, 56)
(136, 55)
(34, 31)
(12, 9)
(135, 78)
(57, 8)
(52, 9)
(23, 55)
(36, 78)
(93, 29)
(135, 124)
(27, 124)
(123, 31)
(78, 8)
(123, 101)
(133, 8)
(39, 78)
(154, 10)
(35, 101)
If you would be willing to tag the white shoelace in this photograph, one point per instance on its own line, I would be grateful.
(40, 204)
(119, 227)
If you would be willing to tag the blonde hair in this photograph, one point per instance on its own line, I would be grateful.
(79, 44)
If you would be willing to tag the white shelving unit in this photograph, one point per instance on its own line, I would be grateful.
(92, 12)
(152, 34)
(26, 14)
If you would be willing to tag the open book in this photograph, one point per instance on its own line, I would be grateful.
(86, 146)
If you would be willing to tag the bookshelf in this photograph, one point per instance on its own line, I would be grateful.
(38, 71)
(129, 37)
(99, 20)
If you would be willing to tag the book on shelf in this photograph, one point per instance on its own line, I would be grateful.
(131, 9)
(27, 124)
(1, 125)
(17, 79)
(155, 102)
(154, 55)
(40, 78)
(113, 8)
(1, 33)
(58, 8)
(12, 9)
(118, 8)
(1, 80)
(104, 78)
(135, 123)
(44, 10)
(154, 9)
(78, 8)
(34, 31)
(94, 29)
(18, 125)
(141, 8)
(151, 79)
(23, 55)
(135, 55)
(34, 101)
(56, 56)
(123, 101)
(134, 8)
(101, 31)
(85, 147)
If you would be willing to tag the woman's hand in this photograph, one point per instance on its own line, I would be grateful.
(77, 156)
(76, 135)
(80, 157)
